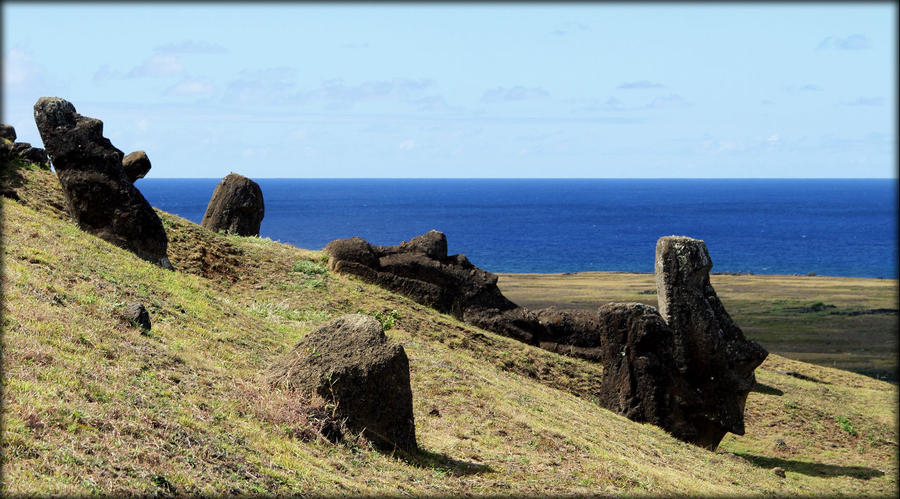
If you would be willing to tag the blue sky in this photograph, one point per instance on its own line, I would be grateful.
(467, 90)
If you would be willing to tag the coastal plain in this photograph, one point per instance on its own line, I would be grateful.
(842, 322)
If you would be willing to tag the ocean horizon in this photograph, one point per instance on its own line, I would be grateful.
(834, 227)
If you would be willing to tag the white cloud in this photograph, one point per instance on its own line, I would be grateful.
(157, 66)
(191, 87)
(867, 101)
(406, 145)
(21, 72)
(336, 91)
(270, 86)
(852, 42)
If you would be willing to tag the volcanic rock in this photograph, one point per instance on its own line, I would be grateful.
(6, 151)
(639, 379)
(136, 165)
(351, 363)
(34, 155)
(421, 270)
(137, 314)
(98, 194)
(236, 207)
(710, 350)
(8, 132)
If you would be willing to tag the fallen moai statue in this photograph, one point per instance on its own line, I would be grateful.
(235, 207)
(422, 270)
(688, 370)
(98, 194)
(351, 363)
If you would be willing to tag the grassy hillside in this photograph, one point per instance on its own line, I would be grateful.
(92, 405)
(842, 322)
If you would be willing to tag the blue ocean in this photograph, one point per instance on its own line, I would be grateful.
(829, 227)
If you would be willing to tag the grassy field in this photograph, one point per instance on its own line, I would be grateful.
(92, 405)
(847, 323)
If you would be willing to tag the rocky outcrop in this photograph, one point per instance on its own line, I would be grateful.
(136, 165)
(710, 350)
(350, 363)
(6, 151)
(236, 207)
(31, 154)
(98, 194)
(7, 132)
(10, 149)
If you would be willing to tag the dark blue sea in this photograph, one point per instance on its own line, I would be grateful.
(828, 227)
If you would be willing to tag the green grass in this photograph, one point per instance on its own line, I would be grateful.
(93, 406)
(309, 267)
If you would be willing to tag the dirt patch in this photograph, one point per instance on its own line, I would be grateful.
(195, 250)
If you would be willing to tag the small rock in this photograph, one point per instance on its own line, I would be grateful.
(434, 412)
(137, 314)
(780, 444)
(136, 165)
(779, 471)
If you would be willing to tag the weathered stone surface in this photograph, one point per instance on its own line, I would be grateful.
(137, 314)
(8, 132)
(99, 196)
(710, 350)
(31, 154)
(433, 244)
(350, 362)
(6, 151)
(236, 207)
(422, 270)
(639, 377)
(688, 368)
(578, 333)
(136, 165)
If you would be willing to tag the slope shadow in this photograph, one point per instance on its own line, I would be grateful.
(811, 469)
(766, 389)
(441, 462)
